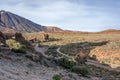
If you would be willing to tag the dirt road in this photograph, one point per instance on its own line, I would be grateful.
(42, 50)
(92, 62)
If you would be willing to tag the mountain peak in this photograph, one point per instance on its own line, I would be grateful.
(18, 23)
(13, 21)
(2, 11)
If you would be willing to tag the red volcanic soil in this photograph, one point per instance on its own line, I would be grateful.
(52, 29)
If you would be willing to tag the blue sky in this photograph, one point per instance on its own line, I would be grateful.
(82, 15)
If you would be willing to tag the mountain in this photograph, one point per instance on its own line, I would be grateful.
(14, 22)
(110, 31)
(7, 30)
(53, 29)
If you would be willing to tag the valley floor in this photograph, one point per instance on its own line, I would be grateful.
(21, 68)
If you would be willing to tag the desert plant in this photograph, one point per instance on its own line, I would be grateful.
(56, 77)
(66, 62)
(15, 46)
(52, 51)
(80, 70)
(10, 43)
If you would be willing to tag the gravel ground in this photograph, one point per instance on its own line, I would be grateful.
(29, 70)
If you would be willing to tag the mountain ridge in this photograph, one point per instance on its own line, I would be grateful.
(20, 24)
(110, 31)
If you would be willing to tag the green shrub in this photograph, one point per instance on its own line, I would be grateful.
(39, 44)
(80, 70)
(66, 62)
(56, 77)
(10, 43)
(16, 46)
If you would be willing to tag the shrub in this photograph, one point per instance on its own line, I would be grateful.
(66, 62)
(39, 44)
(56, 77)
(10, 43)
(15, 46)
(80, 70)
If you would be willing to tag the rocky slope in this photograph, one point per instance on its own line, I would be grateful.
(12, 21)
(6, 30)
(14, 67)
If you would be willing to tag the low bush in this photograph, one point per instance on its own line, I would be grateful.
(66, 62)
(56, 77)
(52, 51)
(80, 70)
(16, 46)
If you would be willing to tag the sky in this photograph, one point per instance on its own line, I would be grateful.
(79, 15)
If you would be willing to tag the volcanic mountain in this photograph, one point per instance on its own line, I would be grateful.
(17, 23)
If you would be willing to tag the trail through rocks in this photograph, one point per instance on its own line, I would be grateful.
(93, 62)
(25, 69)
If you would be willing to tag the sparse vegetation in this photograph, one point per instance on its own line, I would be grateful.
(56, 77)
(80, 55)
(94, 45)
(80, 70)
(66, 62)
(15, 46)
(52, 51)
(72, 42)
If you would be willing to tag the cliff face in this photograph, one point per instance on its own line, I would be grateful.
(17, 23)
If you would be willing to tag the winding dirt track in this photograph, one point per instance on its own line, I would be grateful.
(92, 62)
(42, 50)
(20, 70)
(89, 62)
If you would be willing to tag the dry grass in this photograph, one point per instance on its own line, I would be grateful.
(67, 38)
(107, 53)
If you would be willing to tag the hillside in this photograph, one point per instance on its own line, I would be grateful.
(53, 29)
(6, 30)
(110, 31)
(62, 54)
(20, 24)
